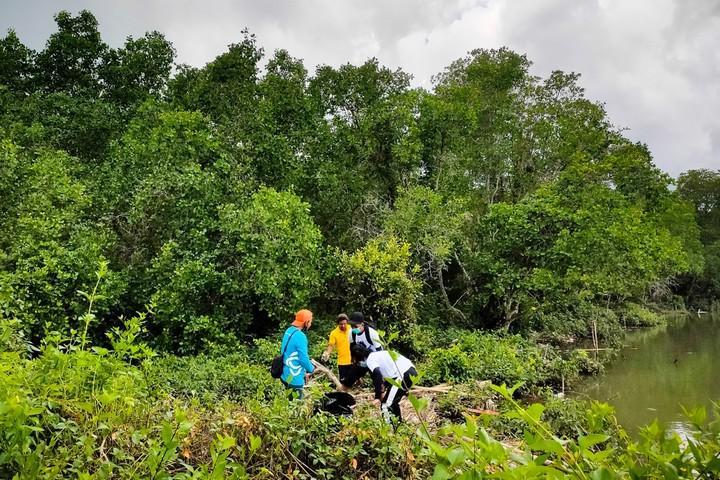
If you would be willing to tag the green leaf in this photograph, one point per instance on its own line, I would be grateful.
(696, 415)
(255, 442)
(713, 465)
(587, 441)
(393, 382)
(418, 403)
(535, 411)
(456, 456)
(100, 351)
(225, 442)
(441, 472)
(602, 473)
(546, 445)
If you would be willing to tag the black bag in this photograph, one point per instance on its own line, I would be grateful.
(276, 367)
(336, 403)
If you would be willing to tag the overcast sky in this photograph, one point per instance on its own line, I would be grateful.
(655, 63)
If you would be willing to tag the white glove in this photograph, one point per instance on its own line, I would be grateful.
(385, 412)
(325, 356)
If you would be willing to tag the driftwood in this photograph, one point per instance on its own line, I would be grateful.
(478, 411)
(441, 388)
(326, 371)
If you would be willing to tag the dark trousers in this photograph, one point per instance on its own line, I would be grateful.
(353, 373)
(344, 372)
(293, 391)
(393, 395)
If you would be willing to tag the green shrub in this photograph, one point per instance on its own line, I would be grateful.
(212, 378)
(474, 395)
(634, 315)
(80, 413)
(12, 338)
(597, 450)
(265, 349)
(567, 327)
(567, 418)
(450, 365)
(379, 280)
(93, 414)
(501, 359)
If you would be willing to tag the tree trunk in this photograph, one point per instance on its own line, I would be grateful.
(510, 313)
(441, 284)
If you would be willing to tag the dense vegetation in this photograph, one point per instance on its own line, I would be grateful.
(74, 412)
(208, 204)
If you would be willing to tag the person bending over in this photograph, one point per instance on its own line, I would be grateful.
(383, 366)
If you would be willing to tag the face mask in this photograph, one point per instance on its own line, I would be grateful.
(363, 364)
(356, 331)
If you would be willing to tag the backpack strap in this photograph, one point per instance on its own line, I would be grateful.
(288, 343)
(367, 336)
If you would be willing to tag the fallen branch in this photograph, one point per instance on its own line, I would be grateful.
(103, 456)
(478, 411)
(326, 371)
(442, 388)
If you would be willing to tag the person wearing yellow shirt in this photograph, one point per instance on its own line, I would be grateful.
(340, 341)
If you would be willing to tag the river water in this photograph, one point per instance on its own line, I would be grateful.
(661, 369)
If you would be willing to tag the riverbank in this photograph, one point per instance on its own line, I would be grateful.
(660, 370)
(121, 412)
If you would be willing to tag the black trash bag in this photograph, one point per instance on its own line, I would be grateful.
(336, 403)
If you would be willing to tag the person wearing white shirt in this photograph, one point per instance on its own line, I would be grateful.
(363, 334)
(383, 366)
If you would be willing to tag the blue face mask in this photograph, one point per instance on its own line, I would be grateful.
(356, 331)
(363, 364)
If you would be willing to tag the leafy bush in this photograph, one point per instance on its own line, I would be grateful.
(274, 249)
(565, 327)
(81, 413)
(265, 349)
(597, 452)
(453, 405)
(73, 412)
(501, 359)
(379, 280)
(47, 251)
(566, 417)
(264, 266)
(12, 338)
(634, 315)
(211, 379)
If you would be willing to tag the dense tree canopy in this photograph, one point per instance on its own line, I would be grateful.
(226, 196)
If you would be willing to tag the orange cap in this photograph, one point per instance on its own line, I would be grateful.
(302, 317)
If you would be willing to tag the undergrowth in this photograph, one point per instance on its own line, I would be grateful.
(121, 412)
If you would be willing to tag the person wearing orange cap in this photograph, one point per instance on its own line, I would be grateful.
(297, 366)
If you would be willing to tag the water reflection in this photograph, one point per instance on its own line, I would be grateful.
(660, 370)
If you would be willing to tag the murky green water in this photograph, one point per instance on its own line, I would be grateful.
(660, 370)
